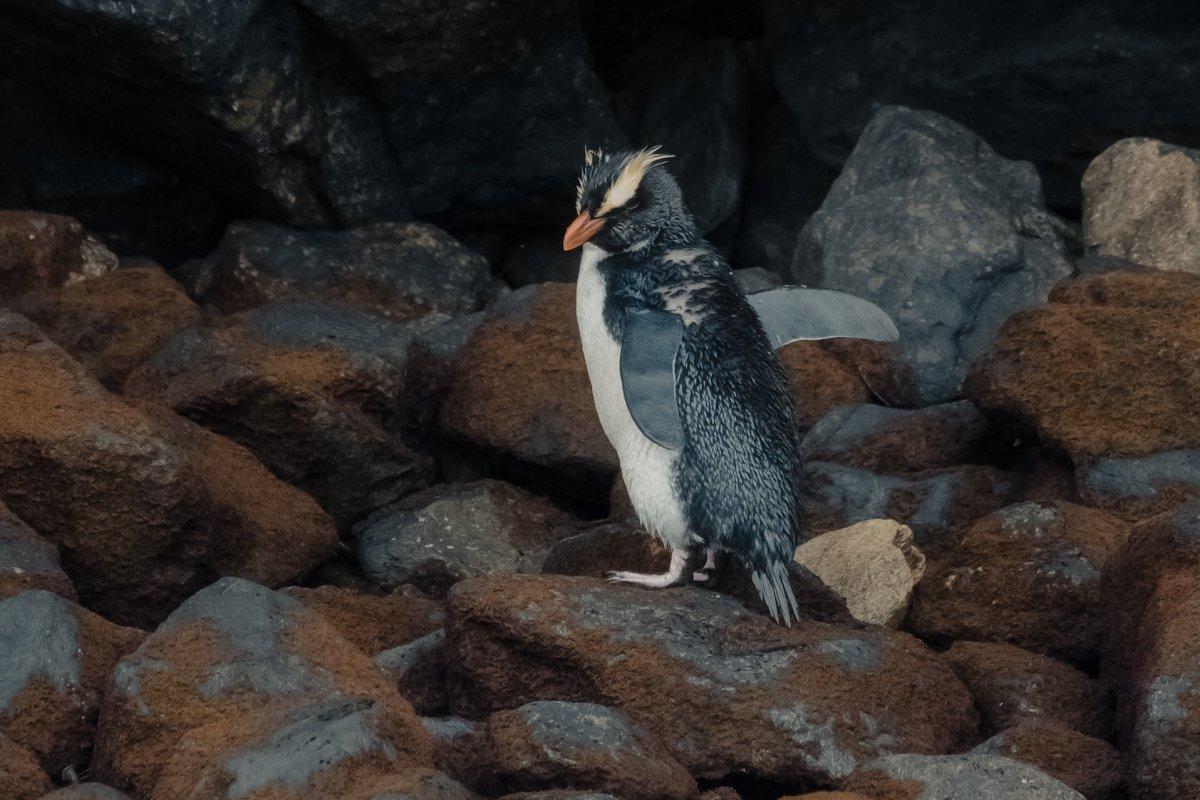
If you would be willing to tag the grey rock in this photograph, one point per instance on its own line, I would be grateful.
(1140, 486)
(39, 638)
(578, 725)
(973, 777)
(947, 237)
(756, 279)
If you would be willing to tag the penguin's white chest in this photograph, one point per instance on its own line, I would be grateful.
(648, 469)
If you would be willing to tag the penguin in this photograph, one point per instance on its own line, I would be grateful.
(685, 378)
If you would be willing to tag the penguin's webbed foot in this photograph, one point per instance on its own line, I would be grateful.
(674, 576)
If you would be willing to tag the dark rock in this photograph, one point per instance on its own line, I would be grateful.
(452, 532)
(458, 749)
(607, 548)
(538, 257)
(809, 702)
(87, 791)
(20, 776)
(895, 440)
(560, 794)
(27, 561)
(412, 784)
(964, 777)
(1141, 487)
(145, 507)
(1029, 575)
(756, 279)
(396, 269)
(373, 623)
(1089, 766)
(419, 671)
(1012, 686)
(45, 251)
(946, 236)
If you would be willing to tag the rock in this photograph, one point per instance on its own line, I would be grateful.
(55, 659)
(826, 796)
(1139, 203)
(255, 102)
(419, 671)
(520, 396)
(412, 784)
(20, 776)
(938, 505)
(395, 269)
(893, 440)
(809, 702)
(538, 257)
(756, 279)
(1152, 615)
(560, 794)
(1028, 575)
(820, 381)
(46, 251)
(232, 651)
(144, 507)
(1012, 686)
(548, 744)
(326, 397)
(87, 791)
(452, 532)
(607, 548)
(1126, 334)
(873, 564)
(114, 322)
(946, 236)
(458, 749)
(1089, 766)
(963, 777)
(373, 623)
(1141, 487)
(27, 561)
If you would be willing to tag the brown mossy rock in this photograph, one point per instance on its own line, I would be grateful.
(145, 507)
(1151, 597)
(458, 750)
(418, 670)
(726, 690)
(373, 623)
(1088, 765)
(970, 776)
(233, 650)
(1110, 367)
(1012, 686)
(39, 251)
(826, 796)
(56, 658)
(418, 783)
(606, 548)
(837, 372)
(327, 398)
(520, 395)
(114, 322)
(28, 561)
(20, 776)
(550, 744)
(86, 791)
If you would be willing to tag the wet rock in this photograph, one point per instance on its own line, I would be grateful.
(144, 507)
(806, 703)
(520, 396)
(1141, 487)
(1139, 204)
(20, 776)
(1152, 612)
(946, 236)
(893, 440)
(373, 623)
(232, 651)
(418, 669)
(395, 269)
(1126, 334)
(548, 744)
(326, 397)
(27, 561)
(1089, 766)
(452, 532)
(87, 791)
(114, 322)
(607, 548)
(1012, 686)
(1028, 575)
(965, 777)
(45, 251)
(873, 565)
(55, 659)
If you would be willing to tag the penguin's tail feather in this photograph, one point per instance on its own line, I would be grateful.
(775, 589)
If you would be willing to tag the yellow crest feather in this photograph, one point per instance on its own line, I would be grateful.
(630, 178)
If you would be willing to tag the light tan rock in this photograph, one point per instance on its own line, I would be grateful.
(874, 565)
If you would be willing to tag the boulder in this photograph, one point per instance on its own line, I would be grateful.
(1012, 686)
(873, 565)
(894, 440)
(373, 623)
(27, 561)
(46, 251)
(326, 397)
(780, 704)
(114, 322)
(1029, 575)
(1055, 370)
(20, 776)
(458, 749)
(548, 744)
(227, 660)
(947, 237)
(451, 532)
(416, 784)
(394, 269)
(418, 669)
(55, 659)
(145, 507)
(1140, 487)
(962, 777)
(1139, 203)
(608, 548)
(86, 791)
(826, 375)
(1088, 765)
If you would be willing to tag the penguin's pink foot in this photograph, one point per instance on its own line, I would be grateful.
(672, 577)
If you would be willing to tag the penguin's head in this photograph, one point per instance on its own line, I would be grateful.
(624, 200)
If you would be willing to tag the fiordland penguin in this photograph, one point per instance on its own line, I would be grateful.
(685, 377)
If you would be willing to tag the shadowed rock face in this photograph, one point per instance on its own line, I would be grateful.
(811, 702)
(27, 561)
(45, 251)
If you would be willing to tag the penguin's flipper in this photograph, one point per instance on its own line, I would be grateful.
(792, 313)
(648, 351)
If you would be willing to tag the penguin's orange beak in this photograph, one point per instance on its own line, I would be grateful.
(581, 230)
